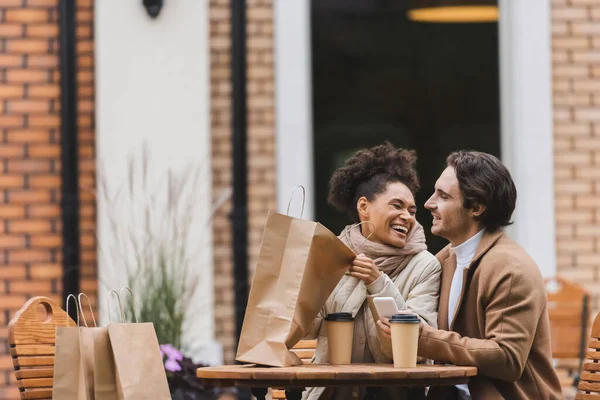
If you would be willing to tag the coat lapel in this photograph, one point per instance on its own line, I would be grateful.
(487, 241)
(448, 261)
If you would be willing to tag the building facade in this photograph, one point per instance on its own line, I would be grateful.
(164, 85)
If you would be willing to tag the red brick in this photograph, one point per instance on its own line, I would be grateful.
(11, 121)
(39, 46)
(11, 241)
(13, 271)
(44, 150)
(27, 76)
(27, 136)
(44, 91)
(49, 181)
(569, 13)
(44, 211)
(26, 15)
(10, 91)
(30, 226)
(45, 271)
(586, 28)
(10, 211)
(29, 196)
(47, 3)
(44, 121)
(28, 166)
(35, 288)
(46, 31)
(47, 241)
(11, 181)
(42, 61)
(85, 61)
(85, 47)
(12, 302)
(29, 106)
(84, 15)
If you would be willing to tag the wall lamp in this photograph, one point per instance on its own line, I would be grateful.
(153, 7)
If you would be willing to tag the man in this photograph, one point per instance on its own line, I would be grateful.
(493, 309)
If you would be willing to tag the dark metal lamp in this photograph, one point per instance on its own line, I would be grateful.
(153, 7)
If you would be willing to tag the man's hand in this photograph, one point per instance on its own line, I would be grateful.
(364, 268)
(384, 326)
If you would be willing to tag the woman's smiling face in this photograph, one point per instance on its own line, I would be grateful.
(392, 214)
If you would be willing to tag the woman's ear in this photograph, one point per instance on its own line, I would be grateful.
(362, 206)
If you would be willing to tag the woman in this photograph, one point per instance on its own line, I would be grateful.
(376, 187)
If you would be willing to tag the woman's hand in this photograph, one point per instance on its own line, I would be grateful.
(364, 268)
(384, 327)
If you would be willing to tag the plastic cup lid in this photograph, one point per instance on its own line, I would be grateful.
(410, 318)
(342, 316)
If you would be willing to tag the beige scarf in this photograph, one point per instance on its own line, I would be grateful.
(391, 260)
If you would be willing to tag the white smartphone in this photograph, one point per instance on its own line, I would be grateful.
(386, 306)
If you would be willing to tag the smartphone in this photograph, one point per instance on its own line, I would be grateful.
(386, 306)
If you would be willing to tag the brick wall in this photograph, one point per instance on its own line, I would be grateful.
(261, 146)
(576, 97)
(30, 217)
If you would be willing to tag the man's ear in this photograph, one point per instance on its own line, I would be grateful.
(362, 206)
(477, 211)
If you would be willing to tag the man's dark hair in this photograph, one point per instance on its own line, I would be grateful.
(484, 180)
(368, 173)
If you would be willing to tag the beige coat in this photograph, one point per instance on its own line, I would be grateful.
(415, 288)
(500, 326)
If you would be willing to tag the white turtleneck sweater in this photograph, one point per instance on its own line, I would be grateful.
(464, 256)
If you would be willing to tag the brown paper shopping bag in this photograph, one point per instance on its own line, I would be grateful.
(138, 361)
(97, 358)
(105, 378)
(300, 262)
(70, 374)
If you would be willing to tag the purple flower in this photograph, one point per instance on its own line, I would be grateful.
(171, 353)
(172, 365)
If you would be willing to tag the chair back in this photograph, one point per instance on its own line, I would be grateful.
(589, 381)
(568, 310)
(31, 336)
(305, 349)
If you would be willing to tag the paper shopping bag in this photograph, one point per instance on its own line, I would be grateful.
(105, 378)
(69, 373)
(299, 264)
(138, 362)
(70, 381)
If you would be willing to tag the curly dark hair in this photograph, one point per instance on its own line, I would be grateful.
(368, 172)
(484, 180)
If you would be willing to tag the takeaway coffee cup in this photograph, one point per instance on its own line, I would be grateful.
(405, 339)
(340, 331)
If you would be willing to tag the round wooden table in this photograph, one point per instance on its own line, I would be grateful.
(294, 379)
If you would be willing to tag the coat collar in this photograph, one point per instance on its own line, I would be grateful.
(448, 261)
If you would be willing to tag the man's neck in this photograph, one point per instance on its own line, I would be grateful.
(457, 241)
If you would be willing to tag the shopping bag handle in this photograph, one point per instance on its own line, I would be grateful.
(303, 200)
(91, 310)
(76, 308)
(119, 304)
(132, 303)
(346, 231)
